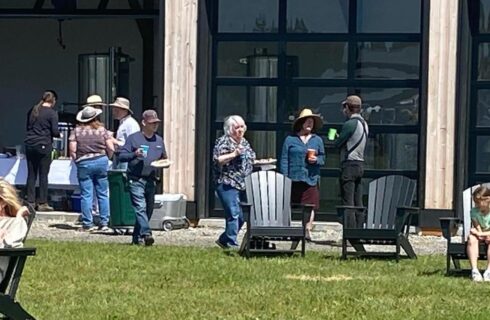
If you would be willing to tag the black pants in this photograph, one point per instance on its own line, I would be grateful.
(351, 191)
(38, 162)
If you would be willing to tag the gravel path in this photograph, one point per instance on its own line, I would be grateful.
(204, 236)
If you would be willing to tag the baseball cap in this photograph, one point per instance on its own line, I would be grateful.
(150, 116)
(352, 100)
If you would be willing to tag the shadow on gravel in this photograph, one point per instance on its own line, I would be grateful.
(64, 226)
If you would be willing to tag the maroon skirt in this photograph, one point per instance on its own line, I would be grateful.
(303, 193)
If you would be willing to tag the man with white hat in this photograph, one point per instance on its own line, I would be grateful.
(94, 101)
(352, 143)
(121, 111)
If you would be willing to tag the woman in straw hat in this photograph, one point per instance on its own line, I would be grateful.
(302, 156)
(91, 147)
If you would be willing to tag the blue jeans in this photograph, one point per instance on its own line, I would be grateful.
(93, 173)
(230, 199)
(143, 200)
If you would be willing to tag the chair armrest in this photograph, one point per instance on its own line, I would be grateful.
(403, 218)
(449, 225)
(17, 252)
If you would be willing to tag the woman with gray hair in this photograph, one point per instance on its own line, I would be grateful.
(233, 159)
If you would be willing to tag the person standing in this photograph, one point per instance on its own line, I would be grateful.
(303, 153)
(41, 126)
(140, 150)
(233, 159)
(121, 111)
(91, 147)
(352, 143)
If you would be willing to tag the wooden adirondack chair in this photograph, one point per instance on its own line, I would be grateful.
(268, 214)
(456, 251)
(388, 218)
(8, 287)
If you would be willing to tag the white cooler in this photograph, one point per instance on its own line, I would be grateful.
(169, 212)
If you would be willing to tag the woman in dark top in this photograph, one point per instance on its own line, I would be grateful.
(42, 126)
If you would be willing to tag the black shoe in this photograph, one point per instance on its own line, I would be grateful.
(149, 240)
(222, 246)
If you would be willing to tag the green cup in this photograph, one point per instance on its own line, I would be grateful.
(332, 133)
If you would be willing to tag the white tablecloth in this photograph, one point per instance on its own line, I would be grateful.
(62, 173)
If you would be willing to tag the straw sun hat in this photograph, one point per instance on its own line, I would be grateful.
(94, 100)
(122, 103)
(307, 113)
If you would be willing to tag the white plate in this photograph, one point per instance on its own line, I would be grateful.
(165, 163)
(261, 162)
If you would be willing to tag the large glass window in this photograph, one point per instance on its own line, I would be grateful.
(318, 16)
(248, 16)
(388, 16)
(284, 55)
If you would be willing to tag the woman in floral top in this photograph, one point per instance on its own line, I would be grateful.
(233, 158)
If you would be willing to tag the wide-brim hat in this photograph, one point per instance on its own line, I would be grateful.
(122, 103)
(307, 113)
(87, 114)
(94, 100)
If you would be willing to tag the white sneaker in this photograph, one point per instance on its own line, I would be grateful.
(476, 276)
(486, 275)
(105, 229)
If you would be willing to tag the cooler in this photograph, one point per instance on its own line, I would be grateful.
(122, 213)
(169, 212)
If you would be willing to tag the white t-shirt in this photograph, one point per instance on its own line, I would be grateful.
(127, 126)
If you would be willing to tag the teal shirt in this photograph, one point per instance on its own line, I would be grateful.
(482, 219)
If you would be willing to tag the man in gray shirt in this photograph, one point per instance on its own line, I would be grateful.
(352, 142)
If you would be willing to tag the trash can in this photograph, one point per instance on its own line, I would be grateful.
(122, 213)
(169, 212)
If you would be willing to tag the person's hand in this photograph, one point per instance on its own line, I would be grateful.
(312, 159)
(239, 150)
(139, 153)
(22, 212)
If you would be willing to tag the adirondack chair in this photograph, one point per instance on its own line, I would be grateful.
(8, 287)
(387, 221)
(456, 251)
(268, 214)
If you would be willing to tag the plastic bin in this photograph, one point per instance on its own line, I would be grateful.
(169, 212)
(122, 213)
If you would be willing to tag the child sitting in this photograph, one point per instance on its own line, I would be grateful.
(480, 231)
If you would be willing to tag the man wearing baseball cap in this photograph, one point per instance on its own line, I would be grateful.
(352, 142)
(140, 150)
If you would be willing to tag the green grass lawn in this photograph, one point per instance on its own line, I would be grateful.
(72, 280)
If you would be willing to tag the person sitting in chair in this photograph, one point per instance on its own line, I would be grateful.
(480, 231)
(13, 227)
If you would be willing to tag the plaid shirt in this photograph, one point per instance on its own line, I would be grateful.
(234, 172)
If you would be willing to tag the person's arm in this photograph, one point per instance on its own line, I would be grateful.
(129, 151)
(320, 157)
(347, 131)
(284, 162)
(54, 124)
(223, 158)
(164, 151)
(109, 147)
(72, 147)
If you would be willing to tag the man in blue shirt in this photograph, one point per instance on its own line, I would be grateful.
(140, 150)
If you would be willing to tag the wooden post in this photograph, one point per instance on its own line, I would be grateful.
(180, 95)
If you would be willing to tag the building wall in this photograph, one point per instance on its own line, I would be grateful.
(31, 60)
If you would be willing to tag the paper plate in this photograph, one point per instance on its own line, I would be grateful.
(265, 161)
(165, 163)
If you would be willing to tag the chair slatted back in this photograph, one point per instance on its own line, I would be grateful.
(269, 193)
(468, 203)
(385, 195)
